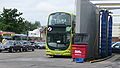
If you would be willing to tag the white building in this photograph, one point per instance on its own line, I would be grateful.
(34, 33)
(116, 32)
(37, 33)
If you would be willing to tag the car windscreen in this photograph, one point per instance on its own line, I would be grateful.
(116, 45)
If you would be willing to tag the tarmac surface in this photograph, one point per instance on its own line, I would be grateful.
(38, 59)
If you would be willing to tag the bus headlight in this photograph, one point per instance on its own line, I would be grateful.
(47, 51)
(67, 52)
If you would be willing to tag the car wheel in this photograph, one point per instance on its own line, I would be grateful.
(0, 50)
(26, 49)
(39, 48)
(11, 50)
(32, 49)
(16, 50)
(21, 49)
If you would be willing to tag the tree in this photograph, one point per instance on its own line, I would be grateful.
(37, 24)
(11, 20)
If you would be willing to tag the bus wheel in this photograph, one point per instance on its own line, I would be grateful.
(54, 56)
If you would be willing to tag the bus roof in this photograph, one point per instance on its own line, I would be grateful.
(62, 12)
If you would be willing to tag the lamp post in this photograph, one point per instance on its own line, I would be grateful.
(40, 33)
(28, 33)
(0, 12)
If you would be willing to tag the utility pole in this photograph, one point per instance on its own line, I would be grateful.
(40, 30)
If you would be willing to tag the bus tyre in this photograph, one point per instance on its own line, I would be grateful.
(54, 56)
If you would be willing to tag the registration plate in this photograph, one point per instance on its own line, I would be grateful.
(56, 49)
(57, 54)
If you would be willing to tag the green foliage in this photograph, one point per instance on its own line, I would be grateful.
(37, 23)
(10, 20)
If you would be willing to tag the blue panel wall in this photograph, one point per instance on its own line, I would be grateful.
(110, 36)
(106, 34)
(103, 34)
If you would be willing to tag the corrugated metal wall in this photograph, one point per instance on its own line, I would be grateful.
(88, 22)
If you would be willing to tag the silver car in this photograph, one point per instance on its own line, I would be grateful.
(1, 47)
(12, 46)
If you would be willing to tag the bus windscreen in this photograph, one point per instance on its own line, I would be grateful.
(59, 18)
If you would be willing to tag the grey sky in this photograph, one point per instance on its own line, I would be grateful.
(38, 10)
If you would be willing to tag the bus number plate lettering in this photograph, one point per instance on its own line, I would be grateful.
(57, 54)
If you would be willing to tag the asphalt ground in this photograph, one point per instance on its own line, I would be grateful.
(38, 59)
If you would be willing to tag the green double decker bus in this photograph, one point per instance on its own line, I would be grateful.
(60, 29)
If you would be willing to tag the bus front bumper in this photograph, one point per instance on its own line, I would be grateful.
(58, 53)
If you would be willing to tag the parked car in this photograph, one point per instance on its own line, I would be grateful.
(1, 47)
(116, 47)
(27, 46)
(33, 44)
(37, 45)
(40, 45)
(43, 45)
(12, 46)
